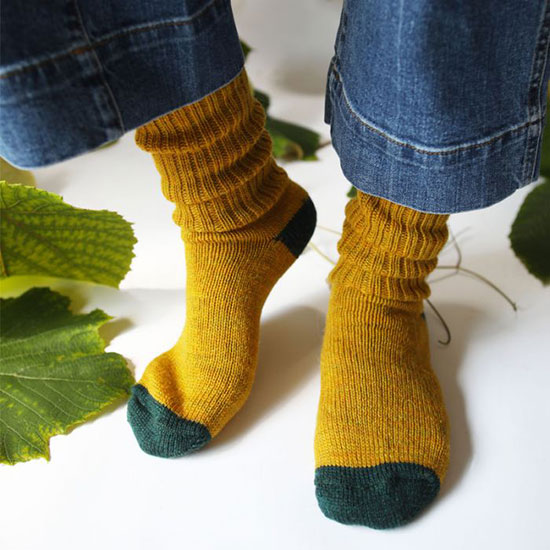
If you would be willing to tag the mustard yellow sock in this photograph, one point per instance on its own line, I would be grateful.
(243, 223)
(382, 439)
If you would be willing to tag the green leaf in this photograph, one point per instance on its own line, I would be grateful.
(263, 98)
(54, 373)
(246, 48)
(284, 148)
(545, 151)
(530, 234)
(352, 192)
(107, 144)
(42, 235)
(290, 141)
(15, 175)
(306, 140)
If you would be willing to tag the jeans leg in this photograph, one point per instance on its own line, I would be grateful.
(439, 105)
(74, 75)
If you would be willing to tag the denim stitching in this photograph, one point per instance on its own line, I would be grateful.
(92, 45)
(424, 151)
(537, 103)
(100, 71)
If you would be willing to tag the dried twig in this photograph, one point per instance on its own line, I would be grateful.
(442, 321)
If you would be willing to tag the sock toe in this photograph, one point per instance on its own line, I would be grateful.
(161, 432)
(381, 497)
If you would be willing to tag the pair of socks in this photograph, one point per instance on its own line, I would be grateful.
(381, 443)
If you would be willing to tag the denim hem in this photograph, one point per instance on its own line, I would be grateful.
(440, 181)
(537, 94)
(73, 100)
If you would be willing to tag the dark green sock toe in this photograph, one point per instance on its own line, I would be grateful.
(159, 431)
(381, 497)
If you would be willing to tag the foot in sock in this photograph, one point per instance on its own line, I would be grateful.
(382, 438)
(243, 222)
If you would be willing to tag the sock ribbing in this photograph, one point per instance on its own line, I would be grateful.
(215, 160)
(387, 250)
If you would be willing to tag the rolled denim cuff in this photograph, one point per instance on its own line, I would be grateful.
(467, 177)
(438, 105)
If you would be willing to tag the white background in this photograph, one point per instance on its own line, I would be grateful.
(252, 488)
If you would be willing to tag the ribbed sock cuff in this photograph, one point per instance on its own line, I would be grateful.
(388, 249)
(215, 160)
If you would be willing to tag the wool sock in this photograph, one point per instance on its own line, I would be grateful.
(243, 223)
(382, 439)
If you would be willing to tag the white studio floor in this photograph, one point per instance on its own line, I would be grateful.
(252, 488)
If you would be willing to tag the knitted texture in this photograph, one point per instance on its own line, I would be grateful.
(243, 222)
(382, 441)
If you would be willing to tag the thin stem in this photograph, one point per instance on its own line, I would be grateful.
(481, 278)
(453, 242)
(442, 321)
(321, 253)
(454, 239)
(457, 248)
(329, 229)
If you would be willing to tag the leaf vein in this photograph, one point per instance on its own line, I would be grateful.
(20, 436)
(26, 406)
(67, 399)
(50, 402)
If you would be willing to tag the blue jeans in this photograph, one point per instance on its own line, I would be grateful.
(438, 105)
(75, 74)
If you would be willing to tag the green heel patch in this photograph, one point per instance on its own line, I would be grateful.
(296, 233)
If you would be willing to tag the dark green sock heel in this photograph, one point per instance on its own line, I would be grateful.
(298, 231)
